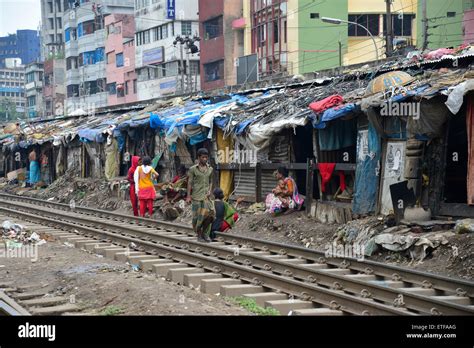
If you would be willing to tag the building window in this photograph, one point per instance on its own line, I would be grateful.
(111, 57)
(112, 88)
(72, 91)
(402, 26)
(119, 60)
(126, 87)
(370, 21)
(186, 28)
(314, 15)
(85, 28)
(213, 28)
(71, 63)
(214, 71)
(120, 91)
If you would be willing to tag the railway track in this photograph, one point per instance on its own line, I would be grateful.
(290, 279)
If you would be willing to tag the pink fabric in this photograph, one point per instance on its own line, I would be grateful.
(327, 103)
(146, 193)
(436, 54)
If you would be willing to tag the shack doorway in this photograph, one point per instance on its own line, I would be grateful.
(455, 184)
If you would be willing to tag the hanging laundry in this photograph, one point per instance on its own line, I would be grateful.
(342, 180)
(329, 102)
(326, 170)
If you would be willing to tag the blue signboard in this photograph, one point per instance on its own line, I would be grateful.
(171, 9)
(153, 56)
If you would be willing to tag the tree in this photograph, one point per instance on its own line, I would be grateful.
(8, 110)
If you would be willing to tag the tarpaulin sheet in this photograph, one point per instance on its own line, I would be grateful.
(333, 114)
(367, 172)
(432, 119)
(338, 134)
(226, 176)
(456, 97)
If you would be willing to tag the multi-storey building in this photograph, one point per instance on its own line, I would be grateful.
(25, 44)
(222, 41)
(120, 59)
(289, 36)
(52, 32)
(12, 91)
(52, 52)
(85, 37)
(34, 90)
(54, 89)
(165, 66)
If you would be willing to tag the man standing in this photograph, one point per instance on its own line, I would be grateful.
(199, 193)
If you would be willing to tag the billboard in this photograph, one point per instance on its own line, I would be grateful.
(171, 9)
(152, 56)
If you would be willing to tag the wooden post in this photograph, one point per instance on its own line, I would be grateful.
(309, 185)
(258, 183)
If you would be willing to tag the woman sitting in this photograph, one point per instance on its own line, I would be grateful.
(285, 196)
(226, 215)
(176, 189)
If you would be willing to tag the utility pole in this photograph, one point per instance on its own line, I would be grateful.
(340, 53)
(181, 68)
(389, 29)
(424, 21)
(191, 48)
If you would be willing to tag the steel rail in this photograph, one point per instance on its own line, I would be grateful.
(334, 299)
(425, 279)
(414, 302)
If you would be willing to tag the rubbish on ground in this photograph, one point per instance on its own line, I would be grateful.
(256, 208)
(464, 226)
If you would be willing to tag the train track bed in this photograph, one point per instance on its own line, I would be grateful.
(73, 281)
(289, 279)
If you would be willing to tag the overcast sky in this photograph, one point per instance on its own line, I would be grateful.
(19, 14)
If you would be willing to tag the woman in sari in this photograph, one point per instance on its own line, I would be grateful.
(285, 196)
(136, 162)
(176, 189)
(35, 171)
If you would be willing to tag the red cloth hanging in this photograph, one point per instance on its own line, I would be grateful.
(329, 102)
(342, 180)
(326, 170)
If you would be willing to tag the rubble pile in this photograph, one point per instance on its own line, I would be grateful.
(15, 235)
(414, 240)
(69, 188)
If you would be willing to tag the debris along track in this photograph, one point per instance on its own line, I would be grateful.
(31, 299)
(275, 274)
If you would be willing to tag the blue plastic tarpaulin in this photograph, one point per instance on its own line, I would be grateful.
(367, 176)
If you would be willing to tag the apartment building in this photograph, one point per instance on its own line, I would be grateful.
(34, 90)
(85, 37)
(222, 41)
(12, 90)
(165, 66)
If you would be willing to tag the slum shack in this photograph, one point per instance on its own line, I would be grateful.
(376, 140)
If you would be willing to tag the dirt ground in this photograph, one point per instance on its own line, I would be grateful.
(104, 287)
(454, 259)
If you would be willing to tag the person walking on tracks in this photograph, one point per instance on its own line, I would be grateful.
(143, 178)
(199, 193)
(136, 161)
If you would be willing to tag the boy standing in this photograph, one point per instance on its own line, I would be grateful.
(199, 193)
